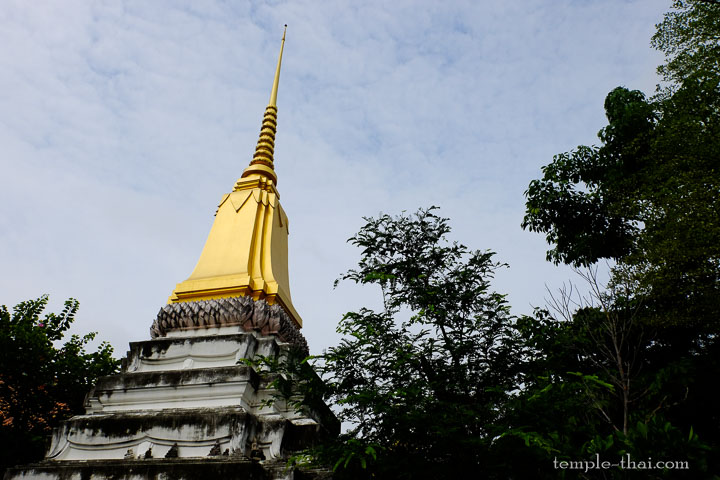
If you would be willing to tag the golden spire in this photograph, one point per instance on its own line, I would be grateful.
(273, 93)
(262, 162)
(246, 252)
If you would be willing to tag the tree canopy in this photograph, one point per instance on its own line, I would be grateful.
(43, 380)
(647, 196)
(689, 36)
(443, 382)
(419, 381)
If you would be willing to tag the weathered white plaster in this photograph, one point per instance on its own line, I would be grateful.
(162, 397)
(193, 352)
(183, 378)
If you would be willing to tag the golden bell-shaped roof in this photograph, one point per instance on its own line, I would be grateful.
(246, 252)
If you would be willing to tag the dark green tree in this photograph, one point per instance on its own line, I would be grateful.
(597, 384)
(43, 380)
(421, 382)
(689, 36)
(442, 382)
(647, 197)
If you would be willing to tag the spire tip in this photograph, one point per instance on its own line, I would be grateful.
(273, 94)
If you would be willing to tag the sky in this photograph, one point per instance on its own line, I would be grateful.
(122, 124)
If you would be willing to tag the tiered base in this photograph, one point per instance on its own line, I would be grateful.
(185, 406)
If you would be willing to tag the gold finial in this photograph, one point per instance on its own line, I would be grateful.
(262, 162)
(246, 250)
(273, 94)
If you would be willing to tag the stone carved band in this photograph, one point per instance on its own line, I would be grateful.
(251, 315)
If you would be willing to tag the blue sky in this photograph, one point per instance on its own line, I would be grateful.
(122, 123)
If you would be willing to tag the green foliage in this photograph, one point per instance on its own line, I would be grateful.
(574, 405)
(689, 36)
(647, 197)
(292, 379)
(42, 381)
(443, 382)
(420, 381)
(653, 178)
(625, 376)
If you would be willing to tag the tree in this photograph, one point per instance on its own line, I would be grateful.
(689, 36)
(647, 196)
(442, 382)
(597, 383)
(420, 382)
(42, 381)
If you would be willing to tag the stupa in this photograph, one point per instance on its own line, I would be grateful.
(185, 405)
